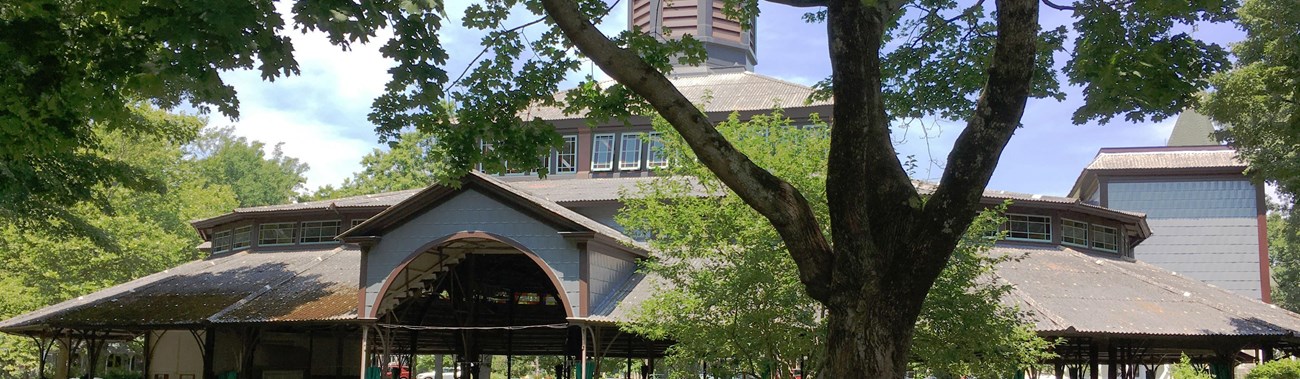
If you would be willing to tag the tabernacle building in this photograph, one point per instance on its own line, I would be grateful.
(508, 265)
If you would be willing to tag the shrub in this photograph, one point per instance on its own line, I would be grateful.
(1284, 369)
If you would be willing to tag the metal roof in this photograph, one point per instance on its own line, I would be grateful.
(1067, 291)
(1166, 158)
(285, 285)
(720, 93)
(1072, 291)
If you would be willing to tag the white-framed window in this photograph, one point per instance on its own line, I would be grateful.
(602, 152)
(566, 159)
(656, 157)
(629, 152)
(319, 231)
(1105, 238)
(277, 233)
(1029, 228)
(358, 221)
(221, 241)
(1074, 233)
(243, 237)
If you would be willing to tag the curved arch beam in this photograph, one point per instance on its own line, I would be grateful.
(546, 268)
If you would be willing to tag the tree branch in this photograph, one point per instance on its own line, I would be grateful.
(772, 197)
(1058, 7)
(996, 117)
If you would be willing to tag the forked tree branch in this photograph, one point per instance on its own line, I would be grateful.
(996, 117)
(775, 199)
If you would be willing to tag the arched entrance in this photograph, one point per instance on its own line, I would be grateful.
(471, 295)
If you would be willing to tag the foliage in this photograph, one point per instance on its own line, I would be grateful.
(257, 179)
(1186, 370)
(1284, 257)
(74, 69)
(1256, 101)
(410, 162)
(1279, 369)
(146, 232)
(730, 292)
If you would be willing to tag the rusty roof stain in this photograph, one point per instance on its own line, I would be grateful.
(286, 285)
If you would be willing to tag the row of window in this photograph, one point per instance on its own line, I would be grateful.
(278, 234)
(1073, 233)
(633, 150)
(630, 151)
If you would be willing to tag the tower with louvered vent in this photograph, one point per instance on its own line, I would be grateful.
(730, 47)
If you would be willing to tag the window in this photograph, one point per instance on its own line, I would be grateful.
(280, 233)
(602, 152)
(243, 236)
(1105, 238)
(358, 221)
(1074, 233)
(656, 157)
(566, 160)
(221, 241)
(319, 231)
(630, 152)
(1029, 228)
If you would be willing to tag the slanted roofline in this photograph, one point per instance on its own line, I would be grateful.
(547, 211)
(1207, 160)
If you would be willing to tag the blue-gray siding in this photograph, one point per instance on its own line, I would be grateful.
(608, 272)
(473, 211)
(1205, 229)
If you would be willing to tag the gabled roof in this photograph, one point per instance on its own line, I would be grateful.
(1071, 291)
(719, 93)
(540, 207)
(267, 286)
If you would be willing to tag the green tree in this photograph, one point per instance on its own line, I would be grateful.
(143, 231)
(258, 179)
(731, 292)
(1256, 101)
(76, 60)
(410, 162)
(1284, 257)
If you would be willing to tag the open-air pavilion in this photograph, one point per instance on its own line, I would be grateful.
(535, 268)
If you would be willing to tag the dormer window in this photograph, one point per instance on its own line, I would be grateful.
(602, 152)
(1029, 228)
(630, 152)
(656, 157)
(1074, 233)
(319, 231)
(279, 233)
(1105, 238)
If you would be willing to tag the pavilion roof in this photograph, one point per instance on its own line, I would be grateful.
(250, 285)
(1071, 291)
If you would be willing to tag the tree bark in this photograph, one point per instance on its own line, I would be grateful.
(890, 243)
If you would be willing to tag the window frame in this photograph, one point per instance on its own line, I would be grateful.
(234, 237)
(262, 229)
(1087, 233)
(356, 221)
(1011, 233)
(559, 153)
(302, 236)
(652, 139)
(623, 164)
(1095, 242)
(609, 162)
(216, 243)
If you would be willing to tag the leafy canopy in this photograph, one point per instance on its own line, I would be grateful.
(730, 292)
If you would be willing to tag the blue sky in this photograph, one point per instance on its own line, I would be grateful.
(320, 116)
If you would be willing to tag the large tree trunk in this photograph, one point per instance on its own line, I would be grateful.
(863, 343)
